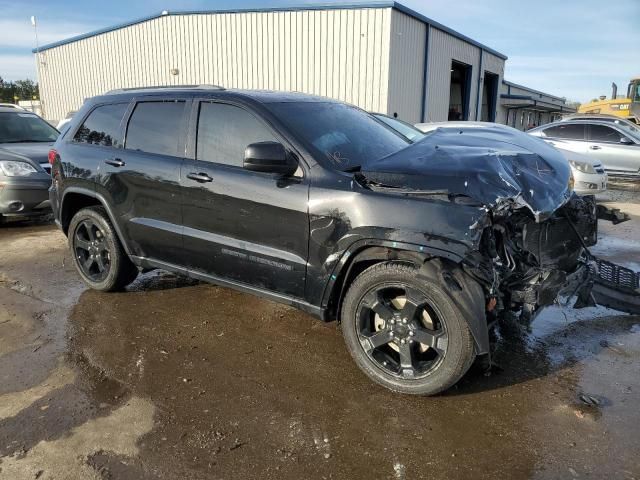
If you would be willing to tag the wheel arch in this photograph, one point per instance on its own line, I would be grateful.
(364, 253)
(76, 198)
(435, 265)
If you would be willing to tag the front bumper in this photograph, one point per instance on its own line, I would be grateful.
(589, 183)
(24, 197)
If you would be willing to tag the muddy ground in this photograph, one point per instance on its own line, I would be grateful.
(178, 379)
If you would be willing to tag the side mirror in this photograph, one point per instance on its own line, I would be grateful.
(626, 141)
(269, 157)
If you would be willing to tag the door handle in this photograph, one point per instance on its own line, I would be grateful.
(114, 162)
(200, 177)
(595, 147)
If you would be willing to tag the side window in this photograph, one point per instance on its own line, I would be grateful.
(154, 127)
(602, 133)
(224, 131)
(102, 126)
(568, 132)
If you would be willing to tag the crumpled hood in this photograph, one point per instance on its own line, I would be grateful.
(37, 152)
(493, 166)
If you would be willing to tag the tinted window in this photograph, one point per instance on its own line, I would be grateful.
(344, 135)
(102, 126)
(224, 131)
(569, 132)
(17, 127)
(154, 127)
(601, 133)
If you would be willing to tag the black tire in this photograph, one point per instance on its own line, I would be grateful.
(430, 370)
(110, 268)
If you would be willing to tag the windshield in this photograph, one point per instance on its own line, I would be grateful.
(634, 91)
(344, 135)
(18, 127)
(408, 131)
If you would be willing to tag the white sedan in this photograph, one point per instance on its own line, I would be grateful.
(588, 173)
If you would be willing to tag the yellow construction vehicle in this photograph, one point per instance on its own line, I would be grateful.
(628, 108)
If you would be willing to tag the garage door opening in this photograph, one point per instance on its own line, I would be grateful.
(459, 91)
(489, 97)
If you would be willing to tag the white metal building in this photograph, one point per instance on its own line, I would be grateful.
(524, 108)
(380, 56)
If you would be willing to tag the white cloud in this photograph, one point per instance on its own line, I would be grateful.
(18, 39)
(578, 78)
(19, 32)
(17, 66)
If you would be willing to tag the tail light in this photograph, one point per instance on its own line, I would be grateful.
(52, 156)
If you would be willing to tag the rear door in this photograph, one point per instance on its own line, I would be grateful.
(573, 136)
(606, 144)
(142, 180)
(242, 226)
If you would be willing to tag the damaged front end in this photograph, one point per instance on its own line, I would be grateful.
(535, 235)
(528, 264)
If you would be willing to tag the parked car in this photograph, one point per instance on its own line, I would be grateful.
(24, 187)
(588, 173)
(26, 134)
(616, 145)
(414, 247)
(65, 121)
(405, 129)
(604, 118)
(13, 106)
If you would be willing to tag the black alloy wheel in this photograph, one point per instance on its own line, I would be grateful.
(97, 252)
(405, 330)
(400, 331)
(92, 250)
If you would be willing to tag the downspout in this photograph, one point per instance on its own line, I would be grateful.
(480, 78)
(425, 75)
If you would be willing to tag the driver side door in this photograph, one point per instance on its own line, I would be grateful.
(607, 144)
(246, 227)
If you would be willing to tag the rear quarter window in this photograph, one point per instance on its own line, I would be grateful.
(102, 126)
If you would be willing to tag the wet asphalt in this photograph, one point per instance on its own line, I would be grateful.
(179, 379)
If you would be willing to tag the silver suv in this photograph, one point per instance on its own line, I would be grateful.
(617, 145)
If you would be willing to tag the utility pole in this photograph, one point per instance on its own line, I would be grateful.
(34, 23)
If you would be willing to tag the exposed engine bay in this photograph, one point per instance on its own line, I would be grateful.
(528, 264)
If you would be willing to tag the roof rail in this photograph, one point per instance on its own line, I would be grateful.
(154, 87)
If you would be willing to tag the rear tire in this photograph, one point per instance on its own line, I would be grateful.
(97, 252)
(405, 333)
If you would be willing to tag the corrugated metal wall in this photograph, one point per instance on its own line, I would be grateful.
(522, 117)
(443, 48)
(492, 64)
(406, 67)
(341, 53)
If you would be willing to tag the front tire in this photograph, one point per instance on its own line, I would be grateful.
(405, 333)
(97, 253)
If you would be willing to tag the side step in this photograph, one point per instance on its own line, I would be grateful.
(616, 287)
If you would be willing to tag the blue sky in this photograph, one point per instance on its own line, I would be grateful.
(570, 48)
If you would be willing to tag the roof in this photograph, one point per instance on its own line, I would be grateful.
(262, 96)
(538, 92)
(293, 7)
(4, 109)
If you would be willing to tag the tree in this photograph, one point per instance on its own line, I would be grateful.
(11, 92)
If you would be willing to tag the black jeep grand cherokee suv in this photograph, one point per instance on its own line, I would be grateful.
(415, 248)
